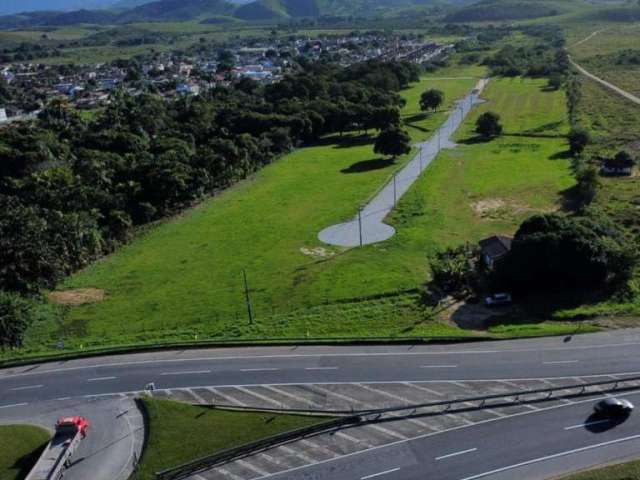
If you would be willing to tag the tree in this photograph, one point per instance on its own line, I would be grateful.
(557, 251)
(452, 270)
(587, 186)
(579, 138)
(431, 99)
(393, 141)
(556, 80)
(488, 125)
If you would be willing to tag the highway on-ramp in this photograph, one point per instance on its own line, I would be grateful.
(536, 443)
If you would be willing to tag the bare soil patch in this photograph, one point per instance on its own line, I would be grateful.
(79, 296)
(317, 252)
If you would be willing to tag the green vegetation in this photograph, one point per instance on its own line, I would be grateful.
(184, 278)
(179, 433)
(20, 446)
(625, 471)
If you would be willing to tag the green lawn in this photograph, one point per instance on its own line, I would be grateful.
(625, 471)
(183, 279)
(179, 433)
(20, 446)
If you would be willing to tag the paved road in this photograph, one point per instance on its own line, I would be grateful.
(605, 353)
(368, 226)
(115, 436)
(364, 375)
(533, 446)
(606, 84)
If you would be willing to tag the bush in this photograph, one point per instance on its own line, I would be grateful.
(452, 270)
(488, 125)
(16, 314)
(555, 251)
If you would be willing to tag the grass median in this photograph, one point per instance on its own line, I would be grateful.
(625, 471)
(179, 433)
(20, 447)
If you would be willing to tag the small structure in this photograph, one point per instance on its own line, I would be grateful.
(621, 164)
(494, 249)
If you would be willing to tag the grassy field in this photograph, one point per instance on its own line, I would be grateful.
(625, 471)
(20, 446)
(179, 433)
(183, 279)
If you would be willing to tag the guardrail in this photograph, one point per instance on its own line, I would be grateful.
(353, 417)
(240, 342)
(210, 461)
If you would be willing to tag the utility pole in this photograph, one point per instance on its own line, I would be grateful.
(247, 297)
(360, 224)
(395, 198)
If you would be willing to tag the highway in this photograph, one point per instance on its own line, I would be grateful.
(541, 442)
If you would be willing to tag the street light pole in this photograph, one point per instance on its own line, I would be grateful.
(247, 297)
(395, 198)
(360, 224)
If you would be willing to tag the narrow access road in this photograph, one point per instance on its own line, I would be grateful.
(606, 84)
(368, 226)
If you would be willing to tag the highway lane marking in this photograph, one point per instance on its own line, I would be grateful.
(63, 398)
(555, 455)
(333, 355)
(259, 369)
(29, 387)
(226, 397)
(252, 467)
(101, 379)
(426, 435)
(260, 396)
(379, 474)
(439, 366)
(560, 362)
(455, 454)
(588, 424)
(14, 405)
(321, 368)
(188, 372)
(298, 398)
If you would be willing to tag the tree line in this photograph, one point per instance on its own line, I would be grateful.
(73, 189)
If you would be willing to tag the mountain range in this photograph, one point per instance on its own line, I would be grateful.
(131, 11)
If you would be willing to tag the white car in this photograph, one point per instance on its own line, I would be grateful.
(497, 300)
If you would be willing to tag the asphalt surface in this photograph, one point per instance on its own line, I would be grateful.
(581, 355)
(489, 447)
(368, 226)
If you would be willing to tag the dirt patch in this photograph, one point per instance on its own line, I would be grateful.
(470, 316)
(317, 252)
(491, 208)
(78, 296)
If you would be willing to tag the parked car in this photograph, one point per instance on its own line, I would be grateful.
(613, 407)
(498, 300)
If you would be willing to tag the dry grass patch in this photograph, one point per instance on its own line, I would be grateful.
(78, 296)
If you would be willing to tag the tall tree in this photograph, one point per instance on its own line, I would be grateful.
(393, 141)
(431, 99)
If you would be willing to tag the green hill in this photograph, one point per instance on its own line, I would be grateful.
(176, 10)
(502, 10)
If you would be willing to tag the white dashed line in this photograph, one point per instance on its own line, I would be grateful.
(259, 369)
(14, 405)
(587, 424)
(29, 387)
(439, 366)
(63, 398)
(560, 362)
(321, 368)
(190, 372)
(379, 474)
(101, 379)
(455, 454)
